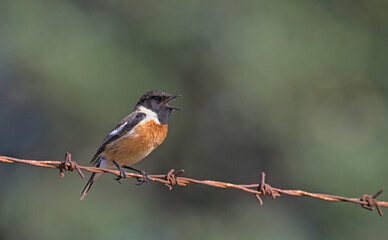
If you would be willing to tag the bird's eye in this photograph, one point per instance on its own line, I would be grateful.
(156, 98)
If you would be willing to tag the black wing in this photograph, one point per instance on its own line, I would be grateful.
(120, 130)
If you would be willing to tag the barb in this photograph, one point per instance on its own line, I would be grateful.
(69, 165)
(172, 178)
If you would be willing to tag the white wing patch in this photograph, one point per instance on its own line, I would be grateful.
(115, 131)
(150, 115)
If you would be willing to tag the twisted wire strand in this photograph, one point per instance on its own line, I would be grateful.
(172, 178)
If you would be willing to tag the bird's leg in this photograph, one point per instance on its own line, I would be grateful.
(123, 174)
(144, 175)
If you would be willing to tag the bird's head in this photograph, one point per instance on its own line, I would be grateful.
(157, 102)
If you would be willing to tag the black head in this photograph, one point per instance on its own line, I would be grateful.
(157, 101)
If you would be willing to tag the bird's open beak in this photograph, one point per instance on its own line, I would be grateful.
(171, 98)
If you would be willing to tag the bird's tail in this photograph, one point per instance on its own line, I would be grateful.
(89, 184)
(92, 179)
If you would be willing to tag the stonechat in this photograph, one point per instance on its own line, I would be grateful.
(136, 136)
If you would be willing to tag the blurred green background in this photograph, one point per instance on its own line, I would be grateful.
(297, 89)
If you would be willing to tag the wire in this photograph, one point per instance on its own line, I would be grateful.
(172, 178)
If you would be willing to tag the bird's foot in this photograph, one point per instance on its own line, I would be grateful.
(144, 178)
(123, 174)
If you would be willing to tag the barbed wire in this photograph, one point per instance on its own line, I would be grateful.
(172, 178)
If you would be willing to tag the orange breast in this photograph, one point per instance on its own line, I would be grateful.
(145, 137)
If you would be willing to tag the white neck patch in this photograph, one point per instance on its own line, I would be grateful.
(150, 115)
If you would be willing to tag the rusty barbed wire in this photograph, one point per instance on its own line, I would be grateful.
(172, 178)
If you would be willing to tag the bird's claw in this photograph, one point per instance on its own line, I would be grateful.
(144, 178)
(123, 174)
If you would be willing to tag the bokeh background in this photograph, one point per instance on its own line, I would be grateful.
(297, 89)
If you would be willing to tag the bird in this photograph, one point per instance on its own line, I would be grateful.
(135, 137)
